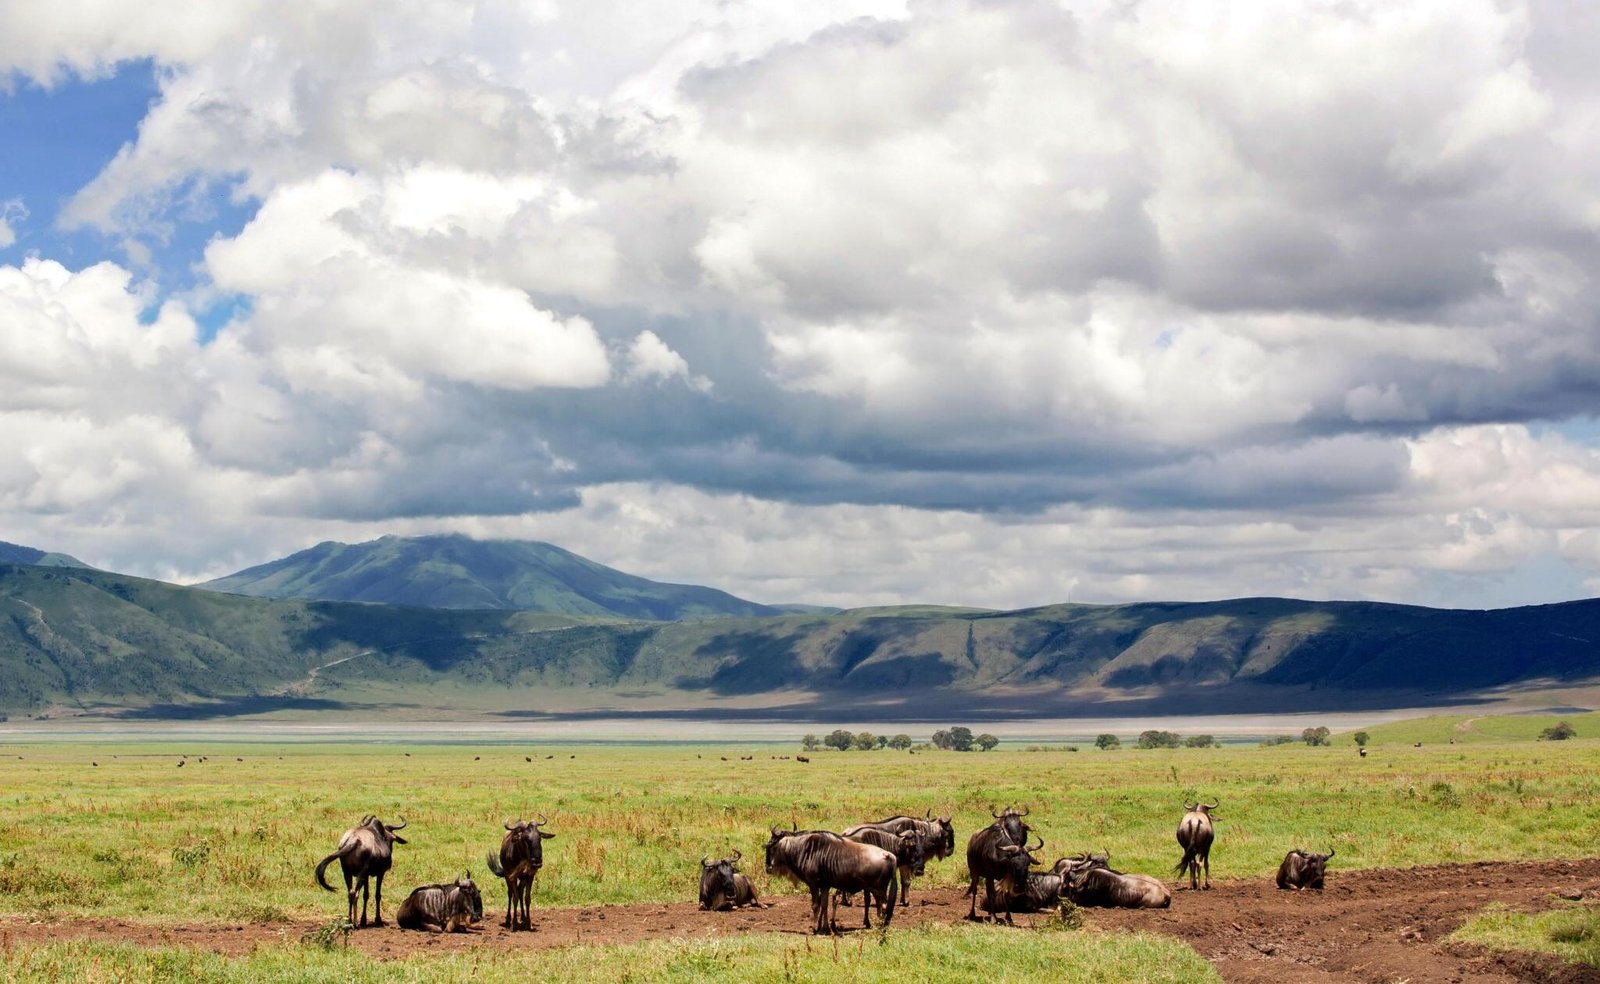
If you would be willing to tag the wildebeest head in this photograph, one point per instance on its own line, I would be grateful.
(1310, 868)
(716, 877)
(1019, 858)
(1204, 809)
(912, 846)
(1012, 823)
(465, 886)
(383, 831)
(528, 832)
(946, 845)
(778, 834)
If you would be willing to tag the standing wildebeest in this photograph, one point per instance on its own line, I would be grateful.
(906, 846)
(824, 861)
(723, 887)
(521, 857)
(1091, 881)
(365, 851)
(442, 908)
(991, 853)
(938, 841)
(1195, 836)
(1302, 869)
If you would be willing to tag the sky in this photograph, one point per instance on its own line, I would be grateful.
(998, 304)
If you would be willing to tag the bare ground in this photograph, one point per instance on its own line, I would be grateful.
(1368, 926)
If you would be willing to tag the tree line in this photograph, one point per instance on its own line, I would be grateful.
(956, 739)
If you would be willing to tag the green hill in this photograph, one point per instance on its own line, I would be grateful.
(459, 572)
(80, 636)
(12, 553)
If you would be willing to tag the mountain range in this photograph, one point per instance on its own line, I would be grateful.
(104, 642)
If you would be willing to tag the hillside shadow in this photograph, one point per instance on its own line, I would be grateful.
(235, 707)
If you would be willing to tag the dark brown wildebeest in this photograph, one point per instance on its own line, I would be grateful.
(909, 856)
(797, 758)
(991, 855)
(723, 887)
(521, 857)
(1363, 752)
(938, 841)
(452, 908)
(824, 861)
(1089, 880)
(1194, 836)
(365, 851)
(1302, 869)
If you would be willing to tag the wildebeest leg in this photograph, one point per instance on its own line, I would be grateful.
(377, 909)
(366, 892)
(1206, 857)
(991, 902)
(888, 912)
(349, 900)
(819, 910)
(972, 890)
(905, 885)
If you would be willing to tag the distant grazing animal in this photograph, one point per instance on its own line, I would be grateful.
(797, 758)
(1091, 881)
(521, 857)
(991, 853)
(825, 862)
(1194, 836)
(365, 852)
(1302, 869)
(1417, 745)
(938, 841)
(722, 887)
(1363, 753)
(452, 908)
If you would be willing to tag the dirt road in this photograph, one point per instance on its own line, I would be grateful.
(1369, 926)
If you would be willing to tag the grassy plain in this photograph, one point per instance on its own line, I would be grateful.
(1570, 932)
(942, 953)
(1466, 729)
(227, 841)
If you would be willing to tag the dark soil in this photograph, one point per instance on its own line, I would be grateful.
(1369, 926)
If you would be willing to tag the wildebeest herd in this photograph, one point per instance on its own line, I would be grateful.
(876, 860)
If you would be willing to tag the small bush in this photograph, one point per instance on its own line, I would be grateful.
(1559, 731)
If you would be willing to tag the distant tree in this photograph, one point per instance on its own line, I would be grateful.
(1159, 739)
(840, 739)
(866, 741)
(900, 742)
(961, 739)
(987, 741)
(1280, 740)
(883, 740)
(1315, 736)
(809, 743)
(1362, 738)
(1558, 732)
(1200, 741)
(1105, 742)
(941, 739)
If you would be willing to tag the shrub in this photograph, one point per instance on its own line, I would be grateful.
(1106, 742)
(1159, 739)
(1560, 731)
(1315, 736)
(1362, 738)
(1201, 741)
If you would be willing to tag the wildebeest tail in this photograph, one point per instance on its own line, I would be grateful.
(1189, 854)
(888, 905)
(494, 866)
(322, 867)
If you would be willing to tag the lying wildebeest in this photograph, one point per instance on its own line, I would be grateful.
(521, 857)
(1302, 869)
(365, 851)
(938, 841)
(909, 857)
(824, 861)
(1022, 890)
(991, 853)
(723, 887)
(1089, 880)
(1194, 836)
(449, 908)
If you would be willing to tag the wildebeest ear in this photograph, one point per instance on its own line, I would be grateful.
(546, 834)
(399, 840)
(1010, 849)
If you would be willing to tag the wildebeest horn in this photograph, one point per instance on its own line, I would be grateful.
(397, 826)
(1212, 806)
(705, 860)
(777, 831)
(512, 824)
(366, 820)
(1331, 853)
(542, 820)
(1023, 812)
(1036, 846)
(929, 815)
(992, 813)
(737, 854)
(1188, 806)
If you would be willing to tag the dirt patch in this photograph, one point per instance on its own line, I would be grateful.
(1368, 926)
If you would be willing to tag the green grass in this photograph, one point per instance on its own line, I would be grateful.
(229, 841)
(1571, 933)
(943, 953)
(1467, 729)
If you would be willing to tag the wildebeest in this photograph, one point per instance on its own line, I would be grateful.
(1089, 880)
(824, 861)
(797, 758)
(1194, 836)
(449, 908)
(365, 851)
(1302, 869)
(906, 846)
(938, 841)
(521, 857)
(723, 887)
(991, 853)
(1363, 752)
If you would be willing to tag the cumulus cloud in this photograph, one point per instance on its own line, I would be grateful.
(1282, 298)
